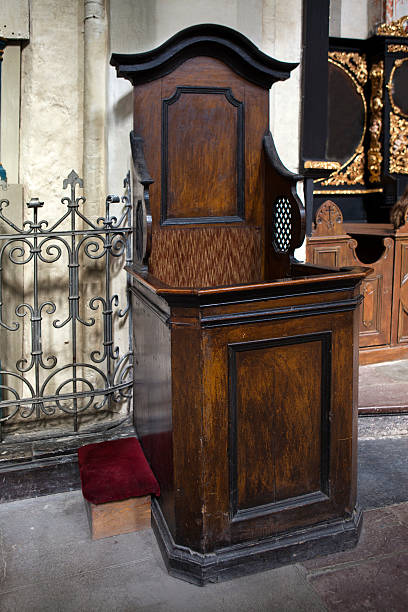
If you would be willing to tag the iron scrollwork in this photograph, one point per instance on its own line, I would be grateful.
(41, 386)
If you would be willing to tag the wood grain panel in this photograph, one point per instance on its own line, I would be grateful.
(279, 450)
(403, 295)
(114, 518)
(327, 256)
(207, 256)
(371, 307)
(203, 133)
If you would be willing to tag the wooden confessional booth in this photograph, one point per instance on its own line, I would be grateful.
(245, 361)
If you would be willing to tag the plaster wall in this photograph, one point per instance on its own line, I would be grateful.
(137, 25)
(14, 23)
(50, 145)
(355, 18)
(51, 99)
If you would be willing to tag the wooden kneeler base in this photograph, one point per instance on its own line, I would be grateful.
(115, 518)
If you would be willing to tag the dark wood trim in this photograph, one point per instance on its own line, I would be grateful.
(138, 157)
(39, 477)
(315, 79)
(210, 40)
(142, 215)
(166, 102)
(200, 220)
(250, 557)
(286, 504)
(275, 161)
(335, 283)
(297, 311)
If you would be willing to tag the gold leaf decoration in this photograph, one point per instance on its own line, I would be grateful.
(352, 174)
(374, 156)
(354, 62)
(398, 144)
(322, 165)
(394, 28)
(397, 48)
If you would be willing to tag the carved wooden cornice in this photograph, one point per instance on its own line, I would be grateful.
(210, 40)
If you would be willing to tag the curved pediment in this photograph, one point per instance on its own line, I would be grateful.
(210, 40)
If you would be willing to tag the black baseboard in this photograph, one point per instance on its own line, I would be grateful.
(253, 557)
(39, 477)
(31, 468)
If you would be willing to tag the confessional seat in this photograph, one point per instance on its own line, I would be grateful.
(245, 360)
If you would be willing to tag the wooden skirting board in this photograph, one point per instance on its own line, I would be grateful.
(382, 353)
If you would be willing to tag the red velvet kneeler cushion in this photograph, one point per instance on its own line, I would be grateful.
(115, 470)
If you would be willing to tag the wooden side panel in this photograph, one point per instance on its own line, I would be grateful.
(375, 313)
(152, 404)
(401, 292)
(330, 255)
(263, 376)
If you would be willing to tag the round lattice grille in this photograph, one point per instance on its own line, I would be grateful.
(282, 225)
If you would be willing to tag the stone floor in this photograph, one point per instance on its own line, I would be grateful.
(384, 384)
(49, 563)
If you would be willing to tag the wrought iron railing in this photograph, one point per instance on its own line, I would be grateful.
(47, 383)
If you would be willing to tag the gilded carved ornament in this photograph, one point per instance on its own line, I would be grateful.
(397, 48)
(351, 173)
(398, 144)
(322, 165)
(374, 156)
(394, 28)
(353, 62)
(346, 191)
(398, 129)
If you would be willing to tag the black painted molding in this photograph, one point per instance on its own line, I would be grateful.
(210, 40)
(243, 559)
(315, 79)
